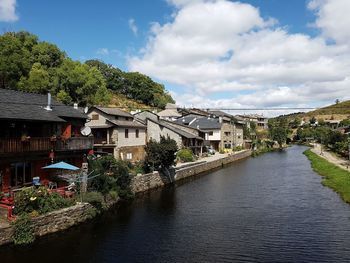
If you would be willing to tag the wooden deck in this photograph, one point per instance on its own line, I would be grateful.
(41, 144)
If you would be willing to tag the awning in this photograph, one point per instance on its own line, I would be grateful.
(61, 165)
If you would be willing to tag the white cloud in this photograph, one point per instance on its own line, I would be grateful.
(223, 46)
(103, 51)
(132, 26)
(333, 18)
(8, 11)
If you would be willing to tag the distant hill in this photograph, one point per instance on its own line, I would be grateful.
(340, 110)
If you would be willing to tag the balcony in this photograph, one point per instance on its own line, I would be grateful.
(44, 144)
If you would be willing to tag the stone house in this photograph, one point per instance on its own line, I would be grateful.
(185, 137)
(117, 132)
(221, 132)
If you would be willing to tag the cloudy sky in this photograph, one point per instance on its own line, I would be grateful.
(208, 53)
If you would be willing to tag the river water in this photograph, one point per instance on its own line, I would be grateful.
(272, 208)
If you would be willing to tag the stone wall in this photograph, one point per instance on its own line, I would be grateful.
(53, 222)
(146, 182)
(207, 166)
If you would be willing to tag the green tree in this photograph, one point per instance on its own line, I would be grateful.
(279, 134)
(47, 54)
(160, 155)
(14, 60)
(38, 80)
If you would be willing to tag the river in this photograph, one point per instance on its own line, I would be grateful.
(272, 208)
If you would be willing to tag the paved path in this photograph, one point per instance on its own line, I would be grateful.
(214, 157)
(331, 157)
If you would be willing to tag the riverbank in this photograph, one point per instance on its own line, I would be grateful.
(334, 176)
(63, 219)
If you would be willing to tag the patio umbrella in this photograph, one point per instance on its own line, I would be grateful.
(61, 165)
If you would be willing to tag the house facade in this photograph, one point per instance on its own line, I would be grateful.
(36, 131)
(185, 137)
(221, 131)
(117, 132)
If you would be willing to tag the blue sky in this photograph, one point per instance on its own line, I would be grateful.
(270, 46)
(81, 28)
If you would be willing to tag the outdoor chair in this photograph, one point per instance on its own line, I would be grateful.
(36, 181)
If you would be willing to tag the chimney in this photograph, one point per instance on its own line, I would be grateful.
(220, 119)
(75, 106)
(48, 107)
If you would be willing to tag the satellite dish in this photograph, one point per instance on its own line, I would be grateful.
(86, 131)
(86, 110)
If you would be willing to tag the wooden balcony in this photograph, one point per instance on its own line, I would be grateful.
(44, 144)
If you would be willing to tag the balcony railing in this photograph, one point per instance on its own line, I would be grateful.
(40, 144)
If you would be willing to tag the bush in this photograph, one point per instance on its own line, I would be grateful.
(111, 175)
(113, 195)
(185, 155)
(96, 199)
(39, 200)
(23, 231)
(237, 148)
(160, 155)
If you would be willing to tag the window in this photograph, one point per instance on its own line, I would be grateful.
(211, 133)
(126, 133)
(227, 145)
(137, 133)
(227, 133)
(21, 174)
(95, 117)
(129, 156)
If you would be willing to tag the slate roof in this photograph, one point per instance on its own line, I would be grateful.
(169, 113)
(206, 124)
(131, 124)
(220, 113)
(177, 130)
(18, 105)
(201, 123)
(114, 111)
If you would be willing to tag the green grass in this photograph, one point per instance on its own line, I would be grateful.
(334, 177)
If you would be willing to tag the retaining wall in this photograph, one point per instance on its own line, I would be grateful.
(53, 222)
(146, 182)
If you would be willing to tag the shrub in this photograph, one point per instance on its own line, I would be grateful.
(39, 200)
(237, 148)
(185, 155)
(160, 155)
(113, 195)
(111, 175)
(23, 231)
(96, 199)
(221, 151)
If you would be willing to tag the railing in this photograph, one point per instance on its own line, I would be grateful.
(40, 144)
(76, 143)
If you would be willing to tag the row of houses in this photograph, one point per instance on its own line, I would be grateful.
(37, 130)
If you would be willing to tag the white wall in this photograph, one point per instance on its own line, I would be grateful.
(131, 140)
(215, 137)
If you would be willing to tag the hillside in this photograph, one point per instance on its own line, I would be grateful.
(31, 65)
(337, 111)
(121, 101)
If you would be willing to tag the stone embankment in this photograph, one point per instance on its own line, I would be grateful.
(53, 222)
(65, 218)
(146, 182)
